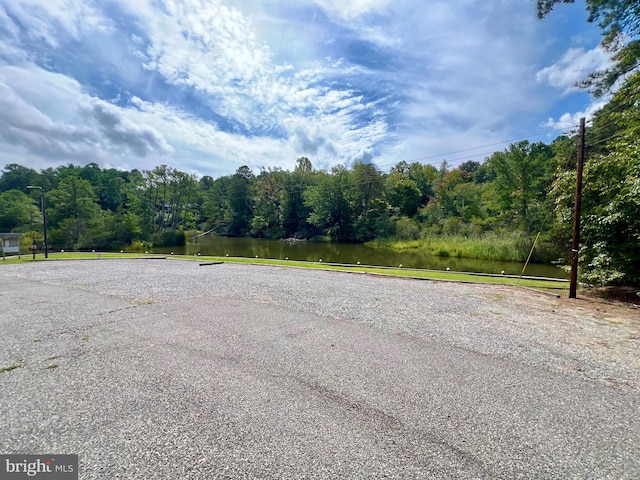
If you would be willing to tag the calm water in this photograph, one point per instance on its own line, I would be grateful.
(332, 252)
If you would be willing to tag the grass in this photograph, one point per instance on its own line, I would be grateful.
(544, 284)
(9, 368)
(144, 301)
(489, 247)
(75, 256)
(399, 272)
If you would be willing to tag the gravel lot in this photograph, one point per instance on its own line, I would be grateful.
(168, 369)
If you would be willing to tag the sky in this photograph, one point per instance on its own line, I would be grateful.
(207, 86)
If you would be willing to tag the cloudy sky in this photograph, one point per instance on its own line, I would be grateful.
(207, 86)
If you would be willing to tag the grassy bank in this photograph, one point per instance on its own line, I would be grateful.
(552, 285)
(510, 248)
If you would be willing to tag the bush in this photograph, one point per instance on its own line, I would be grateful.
(139, 246)
(407, 229)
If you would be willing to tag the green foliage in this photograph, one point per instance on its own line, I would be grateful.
(493, 246)
(93, 208)
(295, 211)
(241, 201)
(270, 197)
(476, 210)
(523, 175)
(407, 229)
(329, 204)
(610, 251)
(17, 177)
(403, 194)
(366, 199)
(16, 210)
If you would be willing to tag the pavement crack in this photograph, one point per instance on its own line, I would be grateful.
(390, 424)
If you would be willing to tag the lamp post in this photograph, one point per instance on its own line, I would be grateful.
(44, 217)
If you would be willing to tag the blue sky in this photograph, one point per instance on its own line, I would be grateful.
(207, 86)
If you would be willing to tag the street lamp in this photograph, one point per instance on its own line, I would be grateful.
(44, 217)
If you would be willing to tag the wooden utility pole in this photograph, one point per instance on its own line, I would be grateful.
(575, 245)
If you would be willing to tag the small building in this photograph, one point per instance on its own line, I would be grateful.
(10, 243)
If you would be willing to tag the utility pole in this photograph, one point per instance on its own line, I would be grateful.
(44, 216)
(575, 244)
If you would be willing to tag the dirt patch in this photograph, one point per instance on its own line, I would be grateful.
(623, 296)
(617, 308)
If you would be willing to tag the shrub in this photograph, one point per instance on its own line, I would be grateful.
(407, 229)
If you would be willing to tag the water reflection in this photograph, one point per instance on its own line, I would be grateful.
(332, 252)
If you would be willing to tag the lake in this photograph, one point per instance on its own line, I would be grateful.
(332, 252)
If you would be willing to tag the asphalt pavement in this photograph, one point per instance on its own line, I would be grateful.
(165, 369)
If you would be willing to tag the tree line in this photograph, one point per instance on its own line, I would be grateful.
(521, 190)
(88, 206)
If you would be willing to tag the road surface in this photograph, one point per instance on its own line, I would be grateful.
(167, 369)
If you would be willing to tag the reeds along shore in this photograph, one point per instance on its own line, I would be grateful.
(511, 248)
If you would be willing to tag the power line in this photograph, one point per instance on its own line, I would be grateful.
(515, 140)
(615, 135)
(449, 160)
(566, 131)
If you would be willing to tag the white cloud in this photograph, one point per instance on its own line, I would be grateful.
(48, 115)
(11, 34)
(215, 84)
(213, 49)
(52, 117)
(119, 131)
(573, 67)
(45, 20)
(570, 121)
(348, 10)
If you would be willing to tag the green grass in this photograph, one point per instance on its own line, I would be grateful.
(490, 247)
(9, 368)
(74, 256)
(390, 271)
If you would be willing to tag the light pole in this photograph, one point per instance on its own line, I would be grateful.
(44, 217)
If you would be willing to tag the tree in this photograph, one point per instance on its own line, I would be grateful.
(295, 210)
(110, 189)
(270, 195)
(159, 181)
(620, 24)
(446, 192)
(72, 207)
(217, 214)
(138, 194)
(403, 193)
(17, 177)
(523, 174)
(425, 177)
(610, 251)
(240, 200)
(303, 164)
(330, 209)
(16, 210)
(366, 200)
(468, 169)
